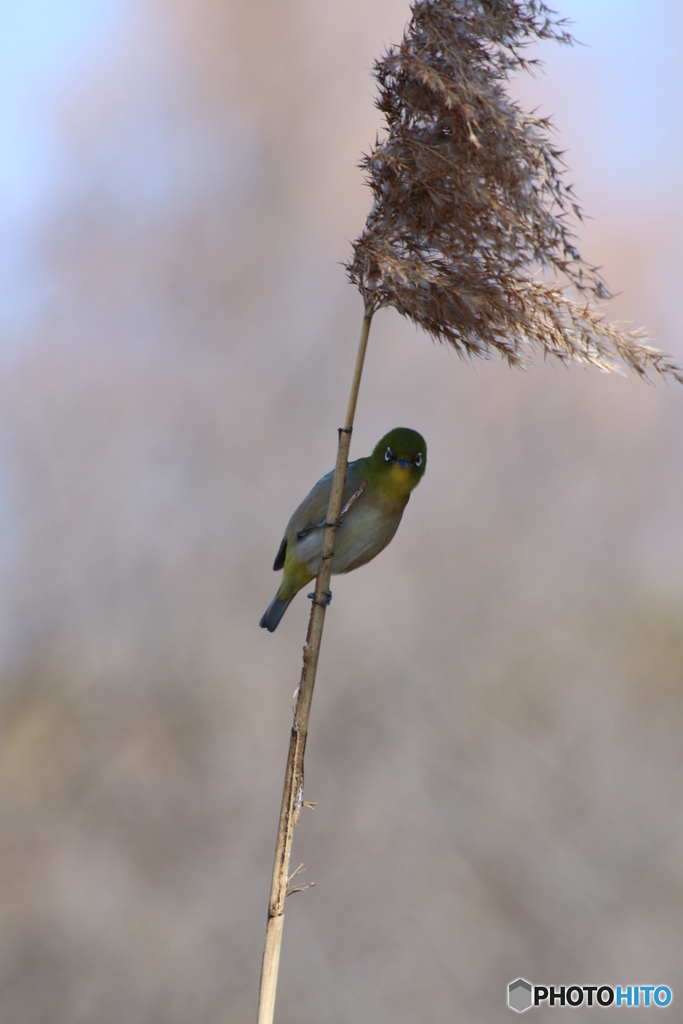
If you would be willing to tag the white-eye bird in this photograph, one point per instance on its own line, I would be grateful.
(375, 494)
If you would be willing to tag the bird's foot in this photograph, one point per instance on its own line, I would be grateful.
(325, 601)
(318, 526)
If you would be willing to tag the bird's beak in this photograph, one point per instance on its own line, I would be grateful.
(403, 463)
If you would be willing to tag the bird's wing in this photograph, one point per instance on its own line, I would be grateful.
(280, 556)
(312, 512)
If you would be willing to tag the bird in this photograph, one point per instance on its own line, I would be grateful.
(376, 492)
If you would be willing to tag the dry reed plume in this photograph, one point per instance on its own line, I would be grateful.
(470, 202)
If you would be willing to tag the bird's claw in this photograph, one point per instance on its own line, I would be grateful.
(318, 526)
(325, 601)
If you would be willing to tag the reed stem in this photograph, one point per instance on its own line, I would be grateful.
(292, 796)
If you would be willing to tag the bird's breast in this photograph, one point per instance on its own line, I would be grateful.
(365, 531)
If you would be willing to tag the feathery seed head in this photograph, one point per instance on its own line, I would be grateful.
(470, 202)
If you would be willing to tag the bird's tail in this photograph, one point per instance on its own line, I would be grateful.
(274, 612)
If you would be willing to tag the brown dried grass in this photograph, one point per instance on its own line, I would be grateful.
(470, 203)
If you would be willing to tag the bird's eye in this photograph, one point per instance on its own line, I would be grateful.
(418, 459)
(387, 455)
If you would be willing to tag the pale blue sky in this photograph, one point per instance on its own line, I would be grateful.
(632, 56)
(45, 43)
(43, 46)
(629, 131)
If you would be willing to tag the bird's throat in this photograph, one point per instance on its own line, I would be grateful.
(396, 482)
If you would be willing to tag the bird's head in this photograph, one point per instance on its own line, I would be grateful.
(398, 461)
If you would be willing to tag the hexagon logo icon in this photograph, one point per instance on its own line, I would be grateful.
(519, 995)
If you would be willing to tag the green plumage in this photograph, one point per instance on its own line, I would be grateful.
(375, 494)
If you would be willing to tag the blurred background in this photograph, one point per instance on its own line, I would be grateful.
(495, 742)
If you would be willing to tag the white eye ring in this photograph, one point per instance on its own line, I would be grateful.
(387, 455)
(418, 459)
